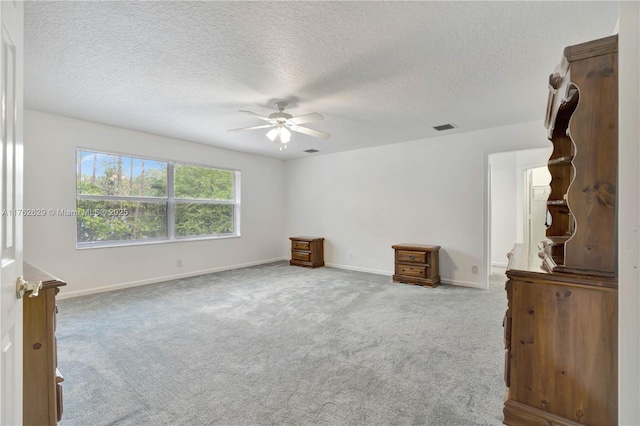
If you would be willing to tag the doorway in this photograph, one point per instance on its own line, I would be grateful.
(517, 205)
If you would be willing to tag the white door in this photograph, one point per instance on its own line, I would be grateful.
(11, 17)
(538, 190)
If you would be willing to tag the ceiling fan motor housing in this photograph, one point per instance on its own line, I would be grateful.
(280, 117)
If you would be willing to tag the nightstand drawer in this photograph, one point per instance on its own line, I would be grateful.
(412, 271)
(300, 255)
(412, 256)
(299, 245)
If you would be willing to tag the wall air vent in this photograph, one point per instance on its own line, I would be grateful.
(442, 127)
(311, 151)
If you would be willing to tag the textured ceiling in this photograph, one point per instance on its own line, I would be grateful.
(379, 72)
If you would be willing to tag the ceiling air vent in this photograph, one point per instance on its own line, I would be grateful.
(311, 151)
(442, 127)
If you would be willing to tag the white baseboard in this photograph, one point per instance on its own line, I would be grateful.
(463, 283)
(390, 274)
(70, 294)
(358, 269)
(500, 264)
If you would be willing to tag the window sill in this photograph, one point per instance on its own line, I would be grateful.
(89, 246)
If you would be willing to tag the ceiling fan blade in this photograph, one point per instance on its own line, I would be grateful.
(263, 126)
(310, 132)
(261, 117)
(306, 118)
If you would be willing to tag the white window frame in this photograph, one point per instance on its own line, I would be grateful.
(170, 201)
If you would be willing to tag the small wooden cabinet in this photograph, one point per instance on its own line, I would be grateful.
(42, 388)
(307, 251)
(417, 264)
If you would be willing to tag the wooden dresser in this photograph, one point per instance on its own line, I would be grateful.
(561, 325)
(561, 346)
(307, 251)
(42, 388)
(417, 264)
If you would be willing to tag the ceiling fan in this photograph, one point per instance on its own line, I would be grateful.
(283, 123)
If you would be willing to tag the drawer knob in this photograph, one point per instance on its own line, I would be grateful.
(411, 257)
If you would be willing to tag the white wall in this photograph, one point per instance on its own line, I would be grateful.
(430, 191)
(50, 242)
(629, 214)
(540, 176)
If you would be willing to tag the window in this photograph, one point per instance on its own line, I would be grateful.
(128, 200)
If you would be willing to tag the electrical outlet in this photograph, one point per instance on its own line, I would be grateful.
(350, 256)
(179, 263)
(474, 269)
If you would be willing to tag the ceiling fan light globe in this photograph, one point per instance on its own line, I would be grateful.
(273, 134)
(285, 135)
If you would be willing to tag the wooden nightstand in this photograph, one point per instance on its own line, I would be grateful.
(307, 251)
(42, 388)
(417, 264)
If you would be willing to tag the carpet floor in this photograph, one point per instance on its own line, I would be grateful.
(282, 345)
